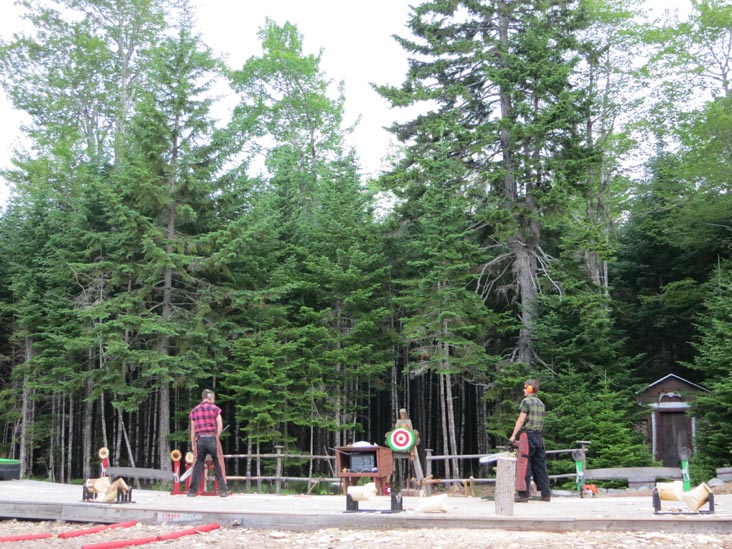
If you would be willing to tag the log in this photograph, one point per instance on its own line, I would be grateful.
(505, 486)
(139, 472)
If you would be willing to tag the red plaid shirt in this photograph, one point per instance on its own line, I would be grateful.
(204, 417)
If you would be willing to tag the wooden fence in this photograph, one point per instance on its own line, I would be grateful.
(279, 478)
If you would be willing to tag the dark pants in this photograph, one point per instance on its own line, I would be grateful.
(206, 446)
(537, 465)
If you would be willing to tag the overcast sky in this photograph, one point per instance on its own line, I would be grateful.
(355, 36)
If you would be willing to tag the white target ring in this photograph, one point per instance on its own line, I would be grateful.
(401, 439)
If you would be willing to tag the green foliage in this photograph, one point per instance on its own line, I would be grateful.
(713, 447)
(324, 333)
(505, 395)
(142, 259)
(657, 278)
(589, 406)
(714, 347)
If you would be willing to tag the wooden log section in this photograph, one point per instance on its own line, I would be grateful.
(139, 472)
(505, 486)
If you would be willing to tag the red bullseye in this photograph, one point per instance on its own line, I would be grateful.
(401, 439)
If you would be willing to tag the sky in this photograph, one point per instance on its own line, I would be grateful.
(354, 35)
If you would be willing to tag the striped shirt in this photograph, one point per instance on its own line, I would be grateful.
(534, 409)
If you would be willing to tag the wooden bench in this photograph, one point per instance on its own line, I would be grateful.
(637, 477)
(140, 473)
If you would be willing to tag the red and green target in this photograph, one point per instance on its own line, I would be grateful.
(401, 439)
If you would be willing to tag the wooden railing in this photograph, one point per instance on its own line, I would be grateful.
(430, 459)
(279, 479)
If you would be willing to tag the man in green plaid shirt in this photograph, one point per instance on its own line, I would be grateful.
(532, 456)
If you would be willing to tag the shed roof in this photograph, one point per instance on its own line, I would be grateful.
(672, 377)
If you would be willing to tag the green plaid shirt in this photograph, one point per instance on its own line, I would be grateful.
(534, 409)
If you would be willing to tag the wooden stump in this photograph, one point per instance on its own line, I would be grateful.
(505, 485)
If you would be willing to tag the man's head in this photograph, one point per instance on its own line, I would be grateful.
(208, 395)
(531, 386)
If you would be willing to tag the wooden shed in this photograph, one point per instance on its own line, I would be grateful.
(669, 428)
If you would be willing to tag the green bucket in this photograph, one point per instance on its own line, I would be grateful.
(9, 469)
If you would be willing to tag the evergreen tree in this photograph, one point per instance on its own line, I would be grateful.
(592, 408)
(714, 347)
(70, 79)
(499, 76)
(168, 174)
(443, 316)
(332, 266)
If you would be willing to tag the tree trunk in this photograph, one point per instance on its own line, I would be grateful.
(70, 441)
(525, 269)
(164, 428)
(444, 423)
(87, 422)
(451, 427)
(26, 413)
(523, 245)
(54, 440)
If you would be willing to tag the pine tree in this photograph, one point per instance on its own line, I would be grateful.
(593, 408)
(327, 310)
(714, 348)
(498, 75)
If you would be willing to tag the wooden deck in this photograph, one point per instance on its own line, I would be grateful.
(26, 500)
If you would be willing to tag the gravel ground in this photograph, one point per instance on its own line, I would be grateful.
(235, 537)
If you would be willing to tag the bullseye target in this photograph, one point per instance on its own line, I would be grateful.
(401, 439)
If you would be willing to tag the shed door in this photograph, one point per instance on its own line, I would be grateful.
(673, 434)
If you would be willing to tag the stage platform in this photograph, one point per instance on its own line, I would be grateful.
(35, 500)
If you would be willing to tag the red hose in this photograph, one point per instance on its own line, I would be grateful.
(26, 537)
(179, 534)
(95, 529)
(162, 537)
(120, 543)
(208, 527)
(190, 531)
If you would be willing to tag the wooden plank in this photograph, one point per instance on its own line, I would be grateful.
(724, 473)
(38, 500)
(139, 472)
(637, 477)
(634, 473)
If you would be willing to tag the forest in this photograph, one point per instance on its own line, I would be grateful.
(558, 208)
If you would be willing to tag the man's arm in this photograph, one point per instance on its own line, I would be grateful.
(193, 435)
(219, 426)
(517, 427)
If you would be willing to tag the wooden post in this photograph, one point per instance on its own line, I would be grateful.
(414, 458)
(428, 470)
(505, 485)
(278, 469)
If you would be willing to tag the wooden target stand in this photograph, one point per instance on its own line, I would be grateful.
(402, 441)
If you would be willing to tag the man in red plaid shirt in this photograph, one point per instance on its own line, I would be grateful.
(206, 426)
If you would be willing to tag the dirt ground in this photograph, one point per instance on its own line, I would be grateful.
(236, 537)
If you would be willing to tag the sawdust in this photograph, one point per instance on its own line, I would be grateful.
(332, 538)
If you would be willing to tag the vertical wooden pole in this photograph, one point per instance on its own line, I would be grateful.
(505, 485)
(278, 469)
